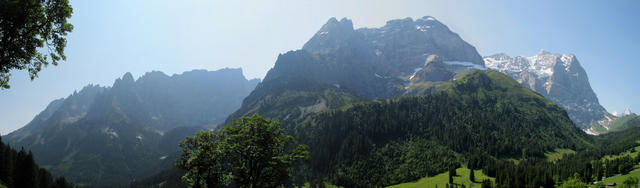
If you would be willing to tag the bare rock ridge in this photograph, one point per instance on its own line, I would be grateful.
(560, 78)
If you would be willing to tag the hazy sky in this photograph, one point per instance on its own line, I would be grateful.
(117, 36)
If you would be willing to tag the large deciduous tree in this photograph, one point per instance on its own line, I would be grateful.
(250, 152)
(201, 157)
(32, 35)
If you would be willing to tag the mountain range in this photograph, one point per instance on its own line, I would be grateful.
(338, 94)
(109, 135)
(412, 58)
(377, 106)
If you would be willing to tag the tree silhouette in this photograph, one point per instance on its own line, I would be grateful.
(250, 152)
(29, 28)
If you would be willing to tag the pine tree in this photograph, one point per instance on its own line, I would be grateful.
(45, 180)
(451, 174)
(18, 169)
(486, 183)
(472, 177)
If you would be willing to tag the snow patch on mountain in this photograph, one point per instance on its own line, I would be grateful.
(617, 114)
(109, 131)
(466, 65)
(541, 65)
(591, 131)
(416, 70)
(422, 28)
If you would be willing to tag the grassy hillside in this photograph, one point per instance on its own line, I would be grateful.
(557, 154)
(618, 179)
(442, 179)
(625, 122)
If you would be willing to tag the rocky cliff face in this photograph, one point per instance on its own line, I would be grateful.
(375, 62)
(340, 64)
(560, 78)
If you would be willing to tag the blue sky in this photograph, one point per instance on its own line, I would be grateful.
(117, 36)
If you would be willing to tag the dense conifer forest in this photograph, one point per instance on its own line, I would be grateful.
(17, 169)
(386, 142)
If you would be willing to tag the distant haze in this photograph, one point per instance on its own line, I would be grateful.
(114, 37)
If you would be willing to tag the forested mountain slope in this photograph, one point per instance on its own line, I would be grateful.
(385, 142)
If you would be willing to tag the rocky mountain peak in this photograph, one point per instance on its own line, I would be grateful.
(558, 77)
(334, 25)
(127, 77)
(334, 28)
(377, 62)
(126, 81)
(332, 36)
(153, 75)
(543, 52)
(401, 23)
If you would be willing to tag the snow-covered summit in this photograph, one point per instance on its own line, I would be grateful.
(542, 64)
(558, 77)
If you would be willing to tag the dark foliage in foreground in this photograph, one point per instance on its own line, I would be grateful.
(17, 169)
(26, 26)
